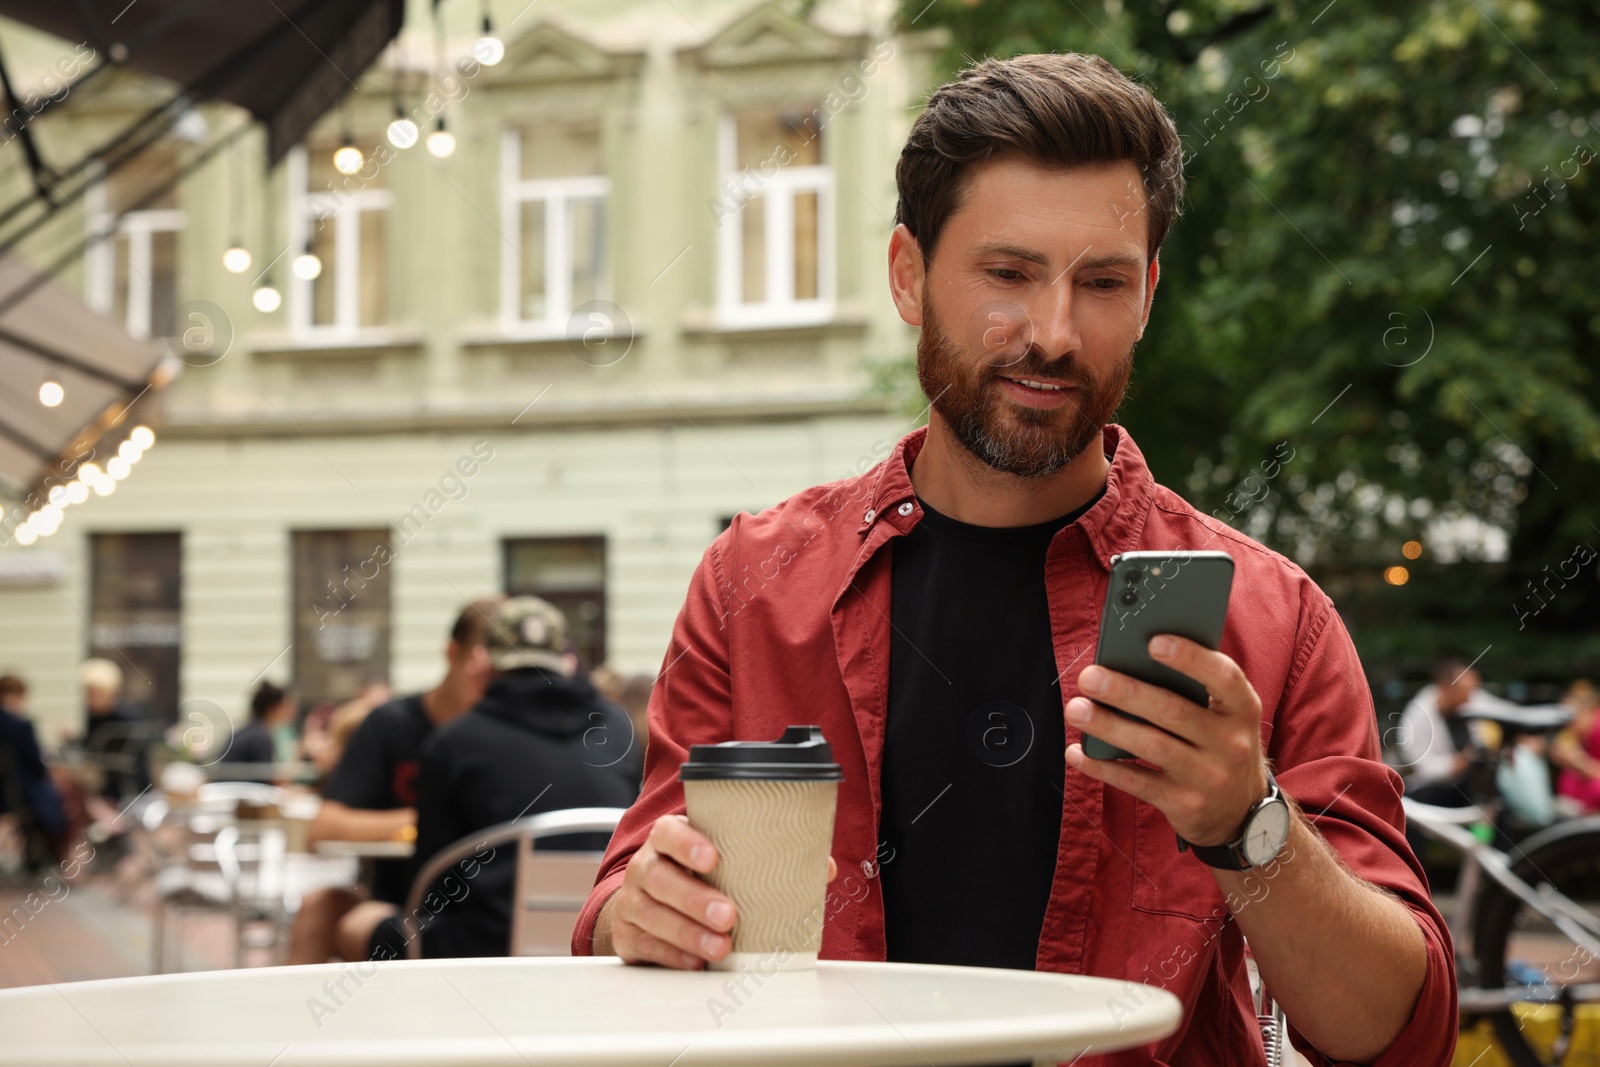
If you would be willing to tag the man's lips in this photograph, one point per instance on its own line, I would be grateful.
(1038, 398)
(1031, 380)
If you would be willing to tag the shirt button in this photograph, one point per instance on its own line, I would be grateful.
(906, 508)
(871, 514)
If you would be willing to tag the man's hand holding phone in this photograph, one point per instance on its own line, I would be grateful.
(664, 914)
(1209, 770)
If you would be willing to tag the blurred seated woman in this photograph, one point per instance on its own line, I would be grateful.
(1577, 752)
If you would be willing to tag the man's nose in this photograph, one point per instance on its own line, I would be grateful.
(1054, 325)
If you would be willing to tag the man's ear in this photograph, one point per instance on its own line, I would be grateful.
(906, 274)
(1150, 293)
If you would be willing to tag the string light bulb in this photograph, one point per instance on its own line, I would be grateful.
(441, 142)
(51, 394)
(348, 158)
(266, 299)
(143, 437)
(306, 265)
(236, 260)
(488, 49)
(402, 131)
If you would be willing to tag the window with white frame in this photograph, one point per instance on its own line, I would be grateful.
(342, 219)
(775, 219)
(553, 217)
(131, 265)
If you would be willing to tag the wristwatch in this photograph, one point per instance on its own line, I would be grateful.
(1266, 830)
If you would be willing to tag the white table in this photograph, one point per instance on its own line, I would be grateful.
(533, 1012)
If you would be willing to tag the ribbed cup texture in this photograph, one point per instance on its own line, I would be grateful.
(772, 842)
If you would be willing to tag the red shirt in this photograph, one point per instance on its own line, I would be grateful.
(787, 621)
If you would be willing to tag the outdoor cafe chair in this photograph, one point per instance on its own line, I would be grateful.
(550, 886)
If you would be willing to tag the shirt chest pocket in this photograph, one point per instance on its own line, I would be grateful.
(1166, 881)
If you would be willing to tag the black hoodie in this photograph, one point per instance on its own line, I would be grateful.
(537, 742)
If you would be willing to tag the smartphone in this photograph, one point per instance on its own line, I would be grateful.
(1177, 592)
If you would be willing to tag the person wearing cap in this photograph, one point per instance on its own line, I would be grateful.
(541, 739)
(937, 611)
(372, 796)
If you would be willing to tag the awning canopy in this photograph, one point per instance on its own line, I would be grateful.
(50, 335)
(286, 62)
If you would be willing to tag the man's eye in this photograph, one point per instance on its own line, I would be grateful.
(1005, 274)
(1107, 283)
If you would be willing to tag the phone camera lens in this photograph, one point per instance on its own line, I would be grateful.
(1129, 597)
(1134, 576)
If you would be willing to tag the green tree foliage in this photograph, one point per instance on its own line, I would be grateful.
(1382, 272)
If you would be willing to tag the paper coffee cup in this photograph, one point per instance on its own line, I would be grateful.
(768, 808)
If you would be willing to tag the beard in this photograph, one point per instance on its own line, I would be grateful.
(1025, 442)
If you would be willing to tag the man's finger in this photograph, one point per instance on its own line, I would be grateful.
(1171, 754)
(676, 929)
(1162, 707)
(1231, 692)
(640, 946)
(1149, 786)
(673, 836)
(666, 882)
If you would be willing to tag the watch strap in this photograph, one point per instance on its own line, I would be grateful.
(1230, 856)
(1223, 857)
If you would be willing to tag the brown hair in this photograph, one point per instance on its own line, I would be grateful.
(12, 686)
(472, 625)
(1058, 110)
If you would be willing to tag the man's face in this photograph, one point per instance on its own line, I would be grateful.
(1041, 275)
(100, 701)
(473, 663)
(1456, 693)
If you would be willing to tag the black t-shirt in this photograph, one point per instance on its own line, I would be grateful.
(378, 772)
(974, 752)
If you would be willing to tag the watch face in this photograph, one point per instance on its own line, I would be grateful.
(1268, 830)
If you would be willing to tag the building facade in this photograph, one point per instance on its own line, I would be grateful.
(643, 293)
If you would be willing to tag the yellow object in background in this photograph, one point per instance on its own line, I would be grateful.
(1478, 1047)
(405, 833)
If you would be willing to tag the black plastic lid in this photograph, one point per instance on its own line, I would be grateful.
(801, 754)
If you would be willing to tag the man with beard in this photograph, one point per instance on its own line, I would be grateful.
(938, 615)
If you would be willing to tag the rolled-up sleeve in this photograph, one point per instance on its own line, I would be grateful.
(690, 703)
(1324, 742)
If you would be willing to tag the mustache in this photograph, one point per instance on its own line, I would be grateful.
(1069, 370)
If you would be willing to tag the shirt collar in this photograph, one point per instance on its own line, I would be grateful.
(1113, 525)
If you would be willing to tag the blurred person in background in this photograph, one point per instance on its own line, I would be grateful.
(1436, 746)
(607, 681)
(635, 701)
(1577, 752)
(112, 732)
(343, 722)
(542, 739)
(328, 726)
(631, 692)
(372, 795)
(271, 709)
(27, 793)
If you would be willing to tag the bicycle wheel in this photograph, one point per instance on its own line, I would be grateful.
(1518, 947)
